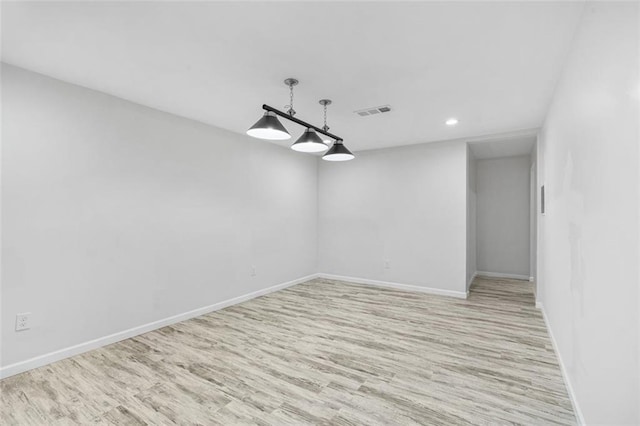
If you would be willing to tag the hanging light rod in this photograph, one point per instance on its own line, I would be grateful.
(269, 127)
(300, 122)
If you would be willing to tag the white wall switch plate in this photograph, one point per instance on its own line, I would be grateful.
(23, 321)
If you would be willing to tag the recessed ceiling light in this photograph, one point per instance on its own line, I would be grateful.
(451, 122)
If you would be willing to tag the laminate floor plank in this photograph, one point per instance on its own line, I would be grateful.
(319, 353)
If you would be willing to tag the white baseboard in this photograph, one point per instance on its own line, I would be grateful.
(565, 375)
(397, 286)
(39, 361)
(501, 275)
(473, 277)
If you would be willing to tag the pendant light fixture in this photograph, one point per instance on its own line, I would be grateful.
(309, 142)
(338, 152)
(269, 127)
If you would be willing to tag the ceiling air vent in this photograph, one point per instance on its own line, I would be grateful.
(373, 111)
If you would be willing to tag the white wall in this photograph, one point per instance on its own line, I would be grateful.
(588, 254)
(405, 205)
(116, 215)
(503, 215)
(472, 266)
(533, 216)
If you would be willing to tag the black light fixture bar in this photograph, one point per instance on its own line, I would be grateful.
(300, 122)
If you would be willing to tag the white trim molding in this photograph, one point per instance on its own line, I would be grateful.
(397, 286)
(501, 275)
(572, 395)
(41, 360)
(473, 277)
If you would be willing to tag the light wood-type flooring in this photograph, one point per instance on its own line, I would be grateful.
(322, 352)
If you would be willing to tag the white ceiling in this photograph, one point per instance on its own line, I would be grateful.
(492, 65)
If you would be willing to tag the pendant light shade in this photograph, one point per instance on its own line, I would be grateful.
(269, 127)
(309, 142)
(338, 152)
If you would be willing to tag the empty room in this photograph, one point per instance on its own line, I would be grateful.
(320, 213)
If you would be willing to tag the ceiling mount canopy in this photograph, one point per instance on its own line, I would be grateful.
(270, 128)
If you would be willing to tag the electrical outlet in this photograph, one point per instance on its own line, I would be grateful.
(253, 271)
(387, 264)
(23, 322)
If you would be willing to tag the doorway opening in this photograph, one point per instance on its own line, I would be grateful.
(501, 210)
